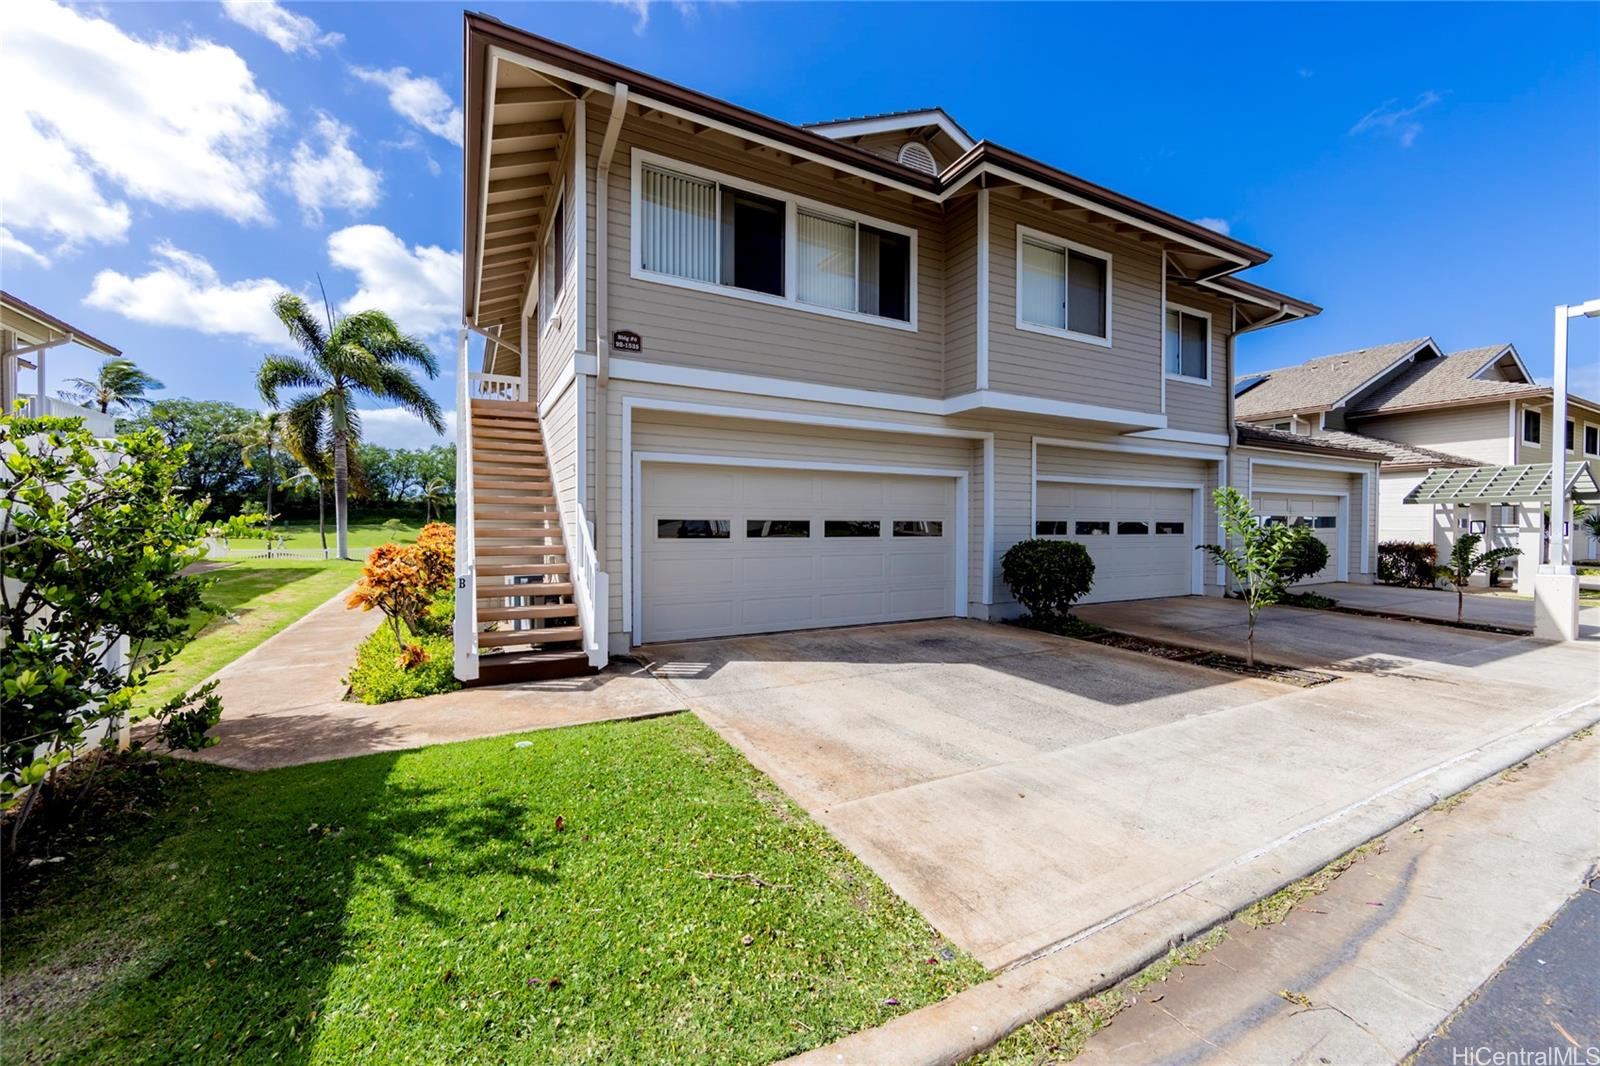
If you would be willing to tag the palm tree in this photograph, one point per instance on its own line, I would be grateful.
(1466, 560)
(436, 493)
(322, 494)
(264, 433)
(363, 354)
(119, 383)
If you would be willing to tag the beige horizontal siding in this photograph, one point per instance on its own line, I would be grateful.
(716, 331)
(1191, 406)
(1126, 375)
(961, 298)
(1481, 432)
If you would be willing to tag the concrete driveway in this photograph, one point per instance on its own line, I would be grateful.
(1026, 792)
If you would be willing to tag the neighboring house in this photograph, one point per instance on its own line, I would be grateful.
(1423, 410)
(798, 376)
(26, 336)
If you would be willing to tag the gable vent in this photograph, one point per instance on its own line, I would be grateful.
(915, 155)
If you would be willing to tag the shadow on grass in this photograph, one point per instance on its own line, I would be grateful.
(211, 928)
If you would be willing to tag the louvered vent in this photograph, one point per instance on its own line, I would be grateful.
(915, 154)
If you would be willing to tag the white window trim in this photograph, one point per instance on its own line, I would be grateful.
(1195, 311)
(547, 306)
(1062, 243)
(792, 204)
(1537, 442)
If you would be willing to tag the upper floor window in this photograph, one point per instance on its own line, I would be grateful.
(553, 265)
(1569, 435)
(1530, 427)
(1591, 440)
(1063, 288)
(758, 243)
(1188, 344)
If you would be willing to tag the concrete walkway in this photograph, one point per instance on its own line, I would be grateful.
(1479, 608)
(1389, 950)
(283, 701)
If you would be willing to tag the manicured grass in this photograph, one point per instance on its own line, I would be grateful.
(477, 902)
(262, 596)
(364, 535)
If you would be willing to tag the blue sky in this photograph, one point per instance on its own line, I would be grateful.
(1416, 169)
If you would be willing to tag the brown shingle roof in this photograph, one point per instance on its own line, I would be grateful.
(1263, 437)
(1395, 454)
(1319, 384)
(1443, 381)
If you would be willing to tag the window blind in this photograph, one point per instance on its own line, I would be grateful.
(679, 225)
(1043, 291)
(827, 261)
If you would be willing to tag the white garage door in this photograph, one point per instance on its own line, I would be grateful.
(1319, 513)
(729, 550)
(1141, 539)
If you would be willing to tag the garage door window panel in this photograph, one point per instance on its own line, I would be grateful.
(777, 528)
(693, 528)
(918, 528)
(1132, 529)
(852, 528)
(1164, 529)
(1091, 529)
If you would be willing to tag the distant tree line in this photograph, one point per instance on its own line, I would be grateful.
(230, 463)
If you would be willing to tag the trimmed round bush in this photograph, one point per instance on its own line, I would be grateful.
(1306, 556)
(1047, 576)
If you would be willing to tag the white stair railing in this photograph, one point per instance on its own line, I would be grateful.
(466, 619)
(496, 387)
(590, 591)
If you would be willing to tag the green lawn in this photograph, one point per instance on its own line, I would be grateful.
(364, 535)
(262, 596)
(476, 902)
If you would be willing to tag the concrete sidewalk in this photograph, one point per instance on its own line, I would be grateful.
(283, 701)
(1374, 964)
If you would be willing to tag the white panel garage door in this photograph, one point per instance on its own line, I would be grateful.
(729, 550)
(1319, 513)
(1141, 539)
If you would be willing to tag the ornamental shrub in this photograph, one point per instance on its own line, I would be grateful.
(1413, 564)
(1047, 576)
(1304, 556)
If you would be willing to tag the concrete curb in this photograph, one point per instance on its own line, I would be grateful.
(954, 1029)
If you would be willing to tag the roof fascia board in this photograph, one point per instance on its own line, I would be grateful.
(1464, 401)
(862, 127)
(1511, 350)
(1001, 171)
(1234, 289)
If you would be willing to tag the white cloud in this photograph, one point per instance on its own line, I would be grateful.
(395, 427)
(182, 125)
(419, 286)
(183, 289)
(641, 13)
(52, 194)
(1220, 225)
(9, 242)
(1398, 122)
(332, 175)
(421, 100)
(290, 32)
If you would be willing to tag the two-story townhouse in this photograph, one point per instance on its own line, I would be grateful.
(1478, 412)
(745, 376)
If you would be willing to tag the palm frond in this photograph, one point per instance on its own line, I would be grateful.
(302, 325)
(287, 372)
(305, 434)
(397, 385)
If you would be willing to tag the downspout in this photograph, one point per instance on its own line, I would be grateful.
(602, 336)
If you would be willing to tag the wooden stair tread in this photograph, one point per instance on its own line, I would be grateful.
(521, 569)
(528, 551)
(507, 513)
(530, 590)
(509, 667)
(511, 638)
(493, 499)
(538, 610)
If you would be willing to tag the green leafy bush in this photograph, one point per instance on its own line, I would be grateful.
(1047, 576)
(1413, 564)
(379, 677)
(250, 525)
(1304, 556)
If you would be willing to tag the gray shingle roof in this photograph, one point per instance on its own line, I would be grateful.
(1391, 454)
(1319, 384)
(1443, 381)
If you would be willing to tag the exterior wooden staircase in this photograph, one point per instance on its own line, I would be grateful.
(527, 618)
